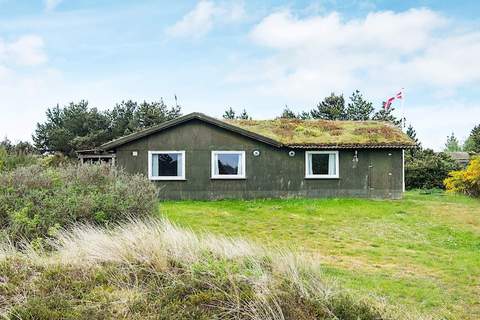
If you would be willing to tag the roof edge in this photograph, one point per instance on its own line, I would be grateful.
(191, 116)
(350, 146)
(233, 128)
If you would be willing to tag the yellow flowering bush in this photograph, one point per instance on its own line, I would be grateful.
(465, 181)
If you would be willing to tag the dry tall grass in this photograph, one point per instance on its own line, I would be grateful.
(152, 269)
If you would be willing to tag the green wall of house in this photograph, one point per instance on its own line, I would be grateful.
(378, 173)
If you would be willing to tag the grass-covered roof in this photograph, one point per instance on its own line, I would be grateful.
(293, 132)
(324, 133)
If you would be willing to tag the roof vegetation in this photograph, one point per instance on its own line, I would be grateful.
(295, 132)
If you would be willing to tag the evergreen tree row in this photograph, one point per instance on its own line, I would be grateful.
(79, 127)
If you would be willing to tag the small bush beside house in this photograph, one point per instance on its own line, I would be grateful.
(465, 181)
(426, 169)
(37, 201)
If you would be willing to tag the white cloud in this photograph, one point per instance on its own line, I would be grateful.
(26, 50)
(196, 23)
(450, 61)
(379, 52)
(201, 19)
(433, 123)
(51, 4)
(433, 57)
(404, 32)
(21, 88)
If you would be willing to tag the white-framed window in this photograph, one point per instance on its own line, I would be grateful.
(166, 165)
(228, 164)
(321, 164)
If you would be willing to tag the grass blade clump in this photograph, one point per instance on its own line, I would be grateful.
(150, 269)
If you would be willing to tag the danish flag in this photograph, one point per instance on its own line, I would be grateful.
(389, 103)
(390, 100)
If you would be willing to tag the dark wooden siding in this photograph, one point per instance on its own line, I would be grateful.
(272, 174)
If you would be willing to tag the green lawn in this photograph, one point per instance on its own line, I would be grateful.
(422, 251)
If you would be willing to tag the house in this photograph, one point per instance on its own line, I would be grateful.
(200, 157)
(462, 158)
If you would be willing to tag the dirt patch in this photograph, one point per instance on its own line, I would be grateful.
(385, 132)
(284, 129)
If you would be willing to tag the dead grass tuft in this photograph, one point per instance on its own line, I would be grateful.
(152, 269)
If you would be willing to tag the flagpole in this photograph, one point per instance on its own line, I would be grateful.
(403, 108)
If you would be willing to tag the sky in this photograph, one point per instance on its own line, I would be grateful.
(257, 55)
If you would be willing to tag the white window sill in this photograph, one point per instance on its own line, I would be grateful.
(228, 178)
(322, 177)
(167, 179)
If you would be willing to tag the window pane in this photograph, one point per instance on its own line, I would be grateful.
(228, 164)
(155, 165)
(319, 163)
(166, 165)
(332, 164)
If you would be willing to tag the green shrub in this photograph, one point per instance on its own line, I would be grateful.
(10, 161)
(465, 181)
(425, 169)
(56, 160)
(37, 201)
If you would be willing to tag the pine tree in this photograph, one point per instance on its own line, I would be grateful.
(288, 114)
(418, 146)
(304, 115)
(331, 108)
(413, 135)
(152, 113)
(77, 126)
(74, 127)
(358, 108)
(469, 145)
(244, 115)
(452, 144)
(6, 144)
(387, 115)
(229, 114)
(473, 142)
